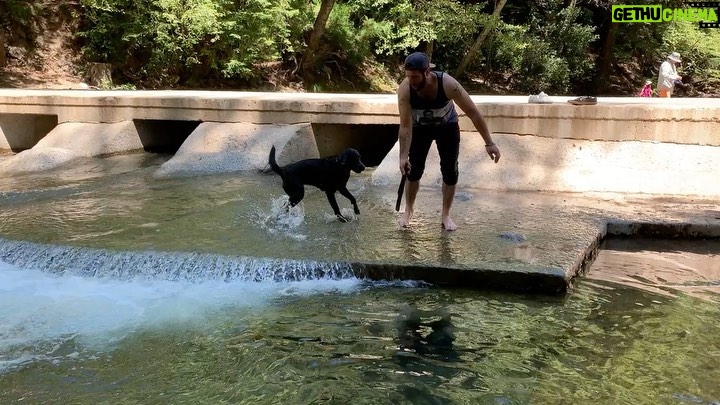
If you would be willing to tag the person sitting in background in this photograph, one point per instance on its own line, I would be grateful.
(646, 91)
(668, 75)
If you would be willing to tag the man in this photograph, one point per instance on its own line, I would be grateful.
(427, 113)
(668, 75)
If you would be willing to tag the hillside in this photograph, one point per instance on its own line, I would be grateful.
(43, 54)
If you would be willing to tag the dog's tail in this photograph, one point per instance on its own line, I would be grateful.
(277, 169)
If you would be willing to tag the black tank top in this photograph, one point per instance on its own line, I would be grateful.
(439, 111)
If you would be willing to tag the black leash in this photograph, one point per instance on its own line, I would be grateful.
(400, 192)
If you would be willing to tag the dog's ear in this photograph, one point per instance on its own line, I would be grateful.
(342, 159)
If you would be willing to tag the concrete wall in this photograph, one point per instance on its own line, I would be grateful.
(694, 121)
(554, 164)
(635, 145)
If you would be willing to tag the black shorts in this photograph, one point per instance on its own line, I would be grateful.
(447, 141)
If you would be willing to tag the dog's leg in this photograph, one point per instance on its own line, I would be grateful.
(287, 206)
(344, 191)
(295, 192)
(333, 203)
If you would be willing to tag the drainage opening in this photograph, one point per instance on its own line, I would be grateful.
(23, 131)
(373, 141)
(164, 136)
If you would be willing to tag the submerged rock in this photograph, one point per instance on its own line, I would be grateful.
(513, 237)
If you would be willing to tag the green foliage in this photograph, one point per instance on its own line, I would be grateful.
(393, 26)
(166, 42)
(385, 25)
(533, 57)
(344, 37)
(532, 63)
(261, 31)
(549, 45)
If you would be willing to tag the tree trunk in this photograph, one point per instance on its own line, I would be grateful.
(3, 60)
(99, 75)
(310, 57)
(480, 39)
(605, 59)
(427, 47)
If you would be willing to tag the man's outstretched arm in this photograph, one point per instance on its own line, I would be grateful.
(461, 97)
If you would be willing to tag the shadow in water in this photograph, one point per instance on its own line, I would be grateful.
(426, 333)
(426, 348)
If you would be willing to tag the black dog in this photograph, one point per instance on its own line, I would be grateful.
(329, 175)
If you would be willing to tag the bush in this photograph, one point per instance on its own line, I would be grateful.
(171, 42)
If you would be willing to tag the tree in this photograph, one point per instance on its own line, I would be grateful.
(481, 38)
(2, 49)
(311, 53)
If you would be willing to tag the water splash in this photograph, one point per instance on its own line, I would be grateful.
(282, 218)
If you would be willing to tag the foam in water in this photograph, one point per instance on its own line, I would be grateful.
(43, 313)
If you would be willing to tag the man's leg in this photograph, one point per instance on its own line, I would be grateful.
(448, 145)
(419, 148)
(448, 194)
(411, 189)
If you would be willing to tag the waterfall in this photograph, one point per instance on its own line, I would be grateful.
(171, 266)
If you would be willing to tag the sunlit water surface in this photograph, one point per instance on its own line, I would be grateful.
(74, 337)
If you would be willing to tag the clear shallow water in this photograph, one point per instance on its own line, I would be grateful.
(116, 203)
(665, 267)
(102, 337)
(87, 340)
(119, 205)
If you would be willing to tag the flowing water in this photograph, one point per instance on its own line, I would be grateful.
(178, 317)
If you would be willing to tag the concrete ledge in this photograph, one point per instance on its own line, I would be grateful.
(227, 147)
(93, 139)
(635, 145)
(664, 230)
(37, 160)
(532, 280)
(528, 279)
(692, 121)
(538, 163)
(545, 280)
(69, 141)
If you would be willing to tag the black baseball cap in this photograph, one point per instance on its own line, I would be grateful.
(418, 61)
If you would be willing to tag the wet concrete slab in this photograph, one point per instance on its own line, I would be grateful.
(541, 242)
(109, 213)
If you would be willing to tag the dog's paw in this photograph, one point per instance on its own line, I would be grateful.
(357, 210)
(342, 218)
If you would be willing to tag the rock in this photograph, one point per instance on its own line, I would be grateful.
(513, 237)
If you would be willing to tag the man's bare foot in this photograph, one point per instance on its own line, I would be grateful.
(404, 220)
(448, 224)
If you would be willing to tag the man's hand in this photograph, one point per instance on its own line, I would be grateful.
(405, 166)
(493, 151)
